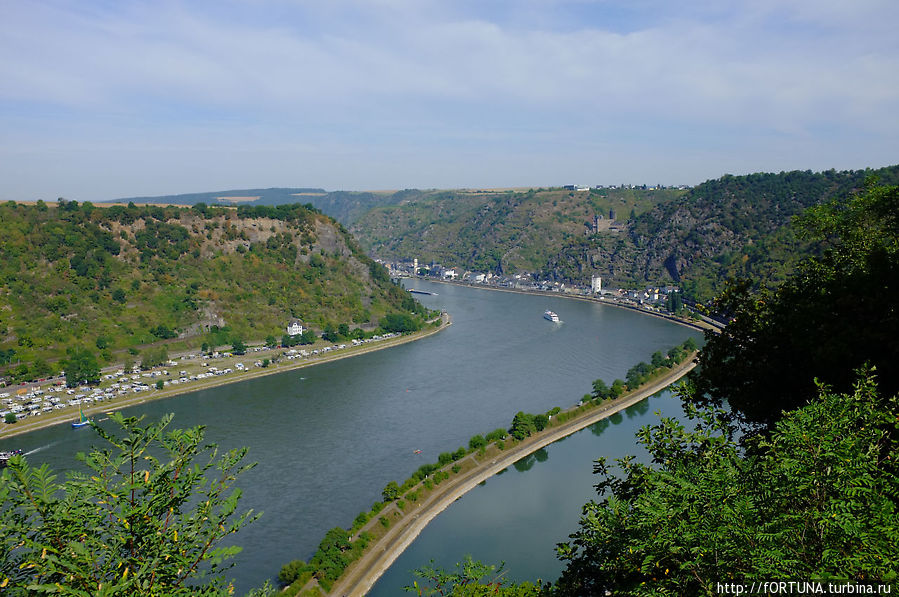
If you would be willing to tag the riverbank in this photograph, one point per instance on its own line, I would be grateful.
(69, 414)
(360, 576)
(702, 326)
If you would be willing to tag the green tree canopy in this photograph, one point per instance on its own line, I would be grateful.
(814, 499)
(147, 518)
(81, 366)
(835, 315)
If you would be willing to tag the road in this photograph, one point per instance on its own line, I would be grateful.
(362, 574)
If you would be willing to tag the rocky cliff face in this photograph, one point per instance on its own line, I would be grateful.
(732, 226)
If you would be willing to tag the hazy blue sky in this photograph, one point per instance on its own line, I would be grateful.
(112, 98)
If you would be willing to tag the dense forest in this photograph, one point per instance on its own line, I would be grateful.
(111, 279)
(504, 232)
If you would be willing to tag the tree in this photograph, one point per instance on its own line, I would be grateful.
(674, 303)
(163, 332)
(291, 571)
(600, 389)
(238, 347)
(391, 491)
(496, 434)
(477, 442)
(828, 319)
(153, 357)
(10, 418)
(148, 517)
(470, 579)
(522, 425)
(81, 367)
(160, 384)
(813, 499)
(399, 322)
(329, 334)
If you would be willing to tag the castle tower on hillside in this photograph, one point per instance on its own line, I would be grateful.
(596, 285)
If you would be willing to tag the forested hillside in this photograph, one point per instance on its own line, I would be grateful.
(114, 278)
(732, 226)
(502, 232)
(697, 239)
(737, 226)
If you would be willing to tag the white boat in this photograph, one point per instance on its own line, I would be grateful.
(551, 316)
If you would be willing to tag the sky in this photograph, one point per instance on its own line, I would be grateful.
(101, 99)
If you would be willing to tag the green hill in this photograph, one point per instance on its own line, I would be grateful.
(117, 278)
(737, 226)
(503, 232)
(732, 226)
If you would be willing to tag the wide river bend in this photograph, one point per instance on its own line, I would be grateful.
(328, 438)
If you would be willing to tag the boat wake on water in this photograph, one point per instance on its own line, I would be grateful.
(38, 449)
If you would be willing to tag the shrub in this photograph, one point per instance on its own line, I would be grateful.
(360, 520)
(496, 434)
(291, 571)
(476, 442)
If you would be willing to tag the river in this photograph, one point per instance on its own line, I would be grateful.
(328, 438)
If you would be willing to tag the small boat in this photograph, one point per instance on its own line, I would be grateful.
(5, 456)
(550, 315)
(83, 421)
(422, 292)
(416, 451)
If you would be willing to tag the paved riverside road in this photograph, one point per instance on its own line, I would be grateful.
(362, 574)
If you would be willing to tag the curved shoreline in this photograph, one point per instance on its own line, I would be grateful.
(66, 416)
(378, 557)
(588, 299)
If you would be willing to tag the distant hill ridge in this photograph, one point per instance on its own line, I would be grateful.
(270, 196)
(343, 206)
(696, 238)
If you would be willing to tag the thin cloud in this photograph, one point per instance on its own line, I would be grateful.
(355, 78)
